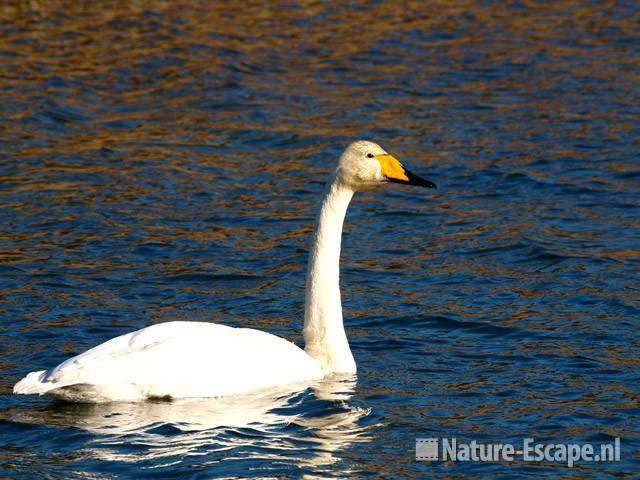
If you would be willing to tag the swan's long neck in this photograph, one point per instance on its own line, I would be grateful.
(324, 335)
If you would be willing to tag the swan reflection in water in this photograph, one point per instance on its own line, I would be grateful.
(307, 428)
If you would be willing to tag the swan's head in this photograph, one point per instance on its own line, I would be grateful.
(366, 164)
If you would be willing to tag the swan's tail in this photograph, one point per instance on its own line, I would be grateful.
(32, 383)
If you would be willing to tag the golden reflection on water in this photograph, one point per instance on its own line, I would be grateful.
(90, 43)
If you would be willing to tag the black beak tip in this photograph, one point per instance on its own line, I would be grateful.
(419, 181)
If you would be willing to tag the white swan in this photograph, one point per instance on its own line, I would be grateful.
(197, 359)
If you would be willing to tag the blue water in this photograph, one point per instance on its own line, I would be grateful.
(164, 161)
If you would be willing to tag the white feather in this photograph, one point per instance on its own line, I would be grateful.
(176, 359)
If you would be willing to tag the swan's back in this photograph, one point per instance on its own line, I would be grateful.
(176, 360)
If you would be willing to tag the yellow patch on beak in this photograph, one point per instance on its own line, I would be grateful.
(391, 167)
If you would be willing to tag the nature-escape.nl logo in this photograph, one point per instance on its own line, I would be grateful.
(450, 449)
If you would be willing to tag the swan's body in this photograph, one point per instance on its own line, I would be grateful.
(195, 359)
(175, 360)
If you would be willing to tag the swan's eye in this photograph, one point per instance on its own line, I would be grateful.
(369, 155)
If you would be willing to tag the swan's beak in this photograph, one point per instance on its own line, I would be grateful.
(393, 171)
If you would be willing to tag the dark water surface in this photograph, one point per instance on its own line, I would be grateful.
(164, 161)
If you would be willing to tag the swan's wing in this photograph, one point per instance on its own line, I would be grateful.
(119, 349)
(177, 359)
